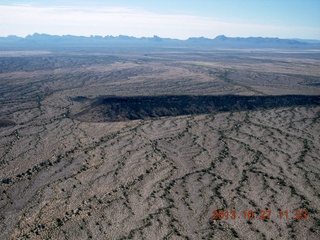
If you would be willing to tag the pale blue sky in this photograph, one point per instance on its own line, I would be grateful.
(165, 18)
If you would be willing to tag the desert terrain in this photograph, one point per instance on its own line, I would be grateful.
(74, 165)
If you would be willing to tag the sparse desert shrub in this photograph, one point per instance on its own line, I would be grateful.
(234, 233)
(59, 222)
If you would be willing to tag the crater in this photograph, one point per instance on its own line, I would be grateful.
(124, 108)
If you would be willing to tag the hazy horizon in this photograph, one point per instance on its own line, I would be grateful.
(178, 19)
(122, 35)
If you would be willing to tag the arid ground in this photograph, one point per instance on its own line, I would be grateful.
(74, 167)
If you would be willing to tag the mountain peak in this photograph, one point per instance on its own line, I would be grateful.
(221, 37)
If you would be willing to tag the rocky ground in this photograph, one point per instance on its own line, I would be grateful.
(159, 178)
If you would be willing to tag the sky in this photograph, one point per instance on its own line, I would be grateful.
(179, 19)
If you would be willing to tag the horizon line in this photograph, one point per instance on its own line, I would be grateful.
(154, 36)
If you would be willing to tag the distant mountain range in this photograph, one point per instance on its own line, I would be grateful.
(37, 41)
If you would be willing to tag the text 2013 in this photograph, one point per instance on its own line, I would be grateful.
(300, 214)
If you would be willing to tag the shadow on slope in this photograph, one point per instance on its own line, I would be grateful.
(113, 108)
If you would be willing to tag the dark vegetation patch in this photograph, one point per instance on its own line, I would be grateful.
(146, 107)
(6, 123)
